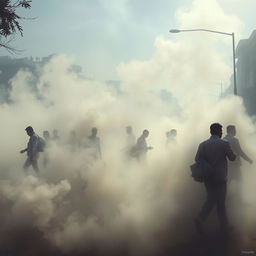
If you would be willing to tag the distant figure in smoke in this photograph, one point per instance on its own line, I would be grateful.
(141, 148)
(215, 152)
(171, 136)
(46, 136)
(94, 144)
(130, 141)
(55, 136)
(32, 150)
(47, 139)
(235, 173)
(73, 142)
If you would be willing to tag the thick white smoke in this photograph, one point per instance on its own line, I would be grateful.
(115, 206)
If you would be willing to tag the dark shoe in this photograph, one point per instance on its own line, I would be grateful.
(199, 226)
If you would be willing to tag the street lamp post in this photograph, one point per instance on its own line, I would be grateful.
(218, 32)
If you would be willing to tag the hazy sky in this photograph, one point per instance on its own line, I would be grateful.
(102, 33)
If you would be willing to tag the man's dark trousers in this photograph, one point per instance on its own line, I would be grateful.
(216, 194)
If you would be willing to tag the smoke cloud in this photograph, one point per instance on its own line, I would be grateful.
(114, 206)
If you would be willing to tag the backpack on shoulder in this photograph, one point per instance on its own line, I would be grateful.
(41, 144)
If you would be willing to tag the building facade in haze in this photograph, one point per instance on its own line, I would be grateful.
(246, 72)
(9, 67)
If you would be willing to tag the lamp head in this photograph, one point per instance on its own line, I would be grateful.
(174, 31)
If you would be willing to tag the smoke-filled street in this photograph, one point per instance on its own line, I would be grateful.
(97, 161)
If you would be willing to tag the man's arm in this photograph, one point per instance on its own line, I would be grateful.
(241, 152)
(229, 153)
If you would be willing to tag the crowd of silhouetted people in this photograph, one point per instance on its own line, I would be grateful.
(213, 159)
(133, 149)
(37, 145)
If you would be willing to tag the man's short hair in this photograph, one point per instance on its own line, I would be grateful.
(94, 129)
(145, 131)
(29, 129)
(215, 128)
(172, 131)
(230, 128)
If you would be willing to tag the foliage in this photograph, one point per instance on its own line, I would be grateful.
(9, 20)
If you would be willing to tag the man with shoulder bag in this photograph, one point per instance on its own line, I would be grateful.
(35, 145)
(211, 164)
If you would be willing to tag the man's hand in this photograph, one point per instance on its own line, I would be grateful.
(22, 151)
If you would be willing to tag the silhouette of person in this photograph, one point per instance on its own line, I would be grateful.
(47, 139)
(171, 136)
(73, 141)
(130, 141)
(94, 144)
(32, 150)
(55, 135)
(46, 136)
(141, 147)
(235, 173)
(215, 151)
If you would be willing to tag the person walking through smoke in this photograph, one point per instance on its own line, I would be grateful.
(130, 142)
(55, 136)
(171, 137)
(73, 141)
(46, 136)
(32, 150)
(234, 167)
(141, 148)
(94, 144)
(47, 139)
(215, 152)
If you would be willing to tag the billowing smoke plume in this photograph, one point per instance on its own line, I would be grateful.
(115, 206)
